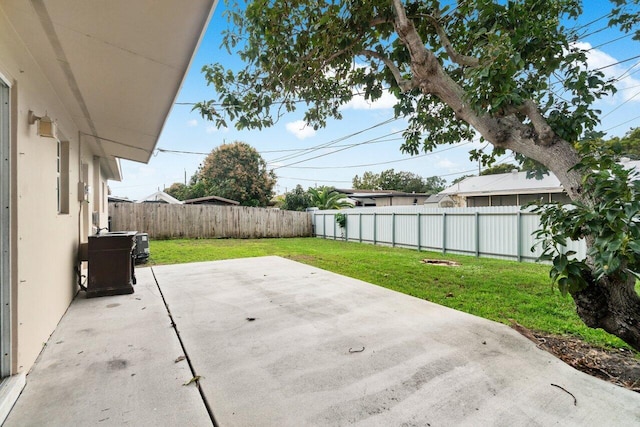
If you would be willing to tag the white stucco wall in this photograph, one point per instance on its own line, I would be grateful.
(46, 241)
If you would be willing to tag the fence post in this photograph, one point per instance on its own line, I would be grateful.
(419, 233)
(324, 225)
(477, 234)
(346, 226)
(393, 230)
(334, 226)
(444, 233)
(374, 228)
(519, 235)
(360, 227)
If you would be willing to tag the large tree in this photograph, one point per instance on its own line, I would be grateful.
(297, 199)
(400, 181)
(235, 171)
(508, 71)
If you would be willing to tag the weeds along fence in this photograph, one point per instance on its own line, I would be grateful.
(498, 232)
(165, 221)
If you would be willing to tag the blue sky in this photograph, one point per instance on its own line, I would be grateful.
(379, 147)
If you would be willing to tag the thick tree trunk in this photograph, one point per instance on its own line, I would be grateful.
(613, 305)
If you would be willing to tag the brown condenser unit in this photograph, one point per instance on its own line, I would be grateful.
(111, 259)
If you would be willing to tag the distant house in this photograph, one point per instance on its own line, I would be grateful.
(160, 197)
(512, 189)
(211, 200)
(116, 199)
(439, 201)
(505, 189)
(377, 198)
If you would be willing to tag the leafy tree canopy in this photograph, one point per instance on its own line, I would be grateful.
(297, 199)
(400, 181)
(511, 72)
(178, 190)
(629, 145)
(234, 171)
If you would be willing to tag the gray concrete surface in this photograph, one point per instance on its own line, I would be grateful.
(278, 343)
(298, 364)
(111, 362)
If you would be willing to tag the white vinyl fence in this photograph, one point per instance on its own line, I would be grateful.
(498, 232)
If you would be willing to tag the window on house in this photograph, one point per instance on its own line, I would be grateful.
(62, 177)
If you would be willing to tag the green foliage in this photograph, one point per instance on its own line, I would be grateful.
(341, 219)
(178, 190)
(611, 217)
(325, 198)
(408, 182)
(497, 169)
(235, 171)
(628, 145)
(306, 50)
(296, 200)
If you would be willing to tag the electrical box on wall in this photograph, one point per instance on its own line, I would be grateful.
(84, 191)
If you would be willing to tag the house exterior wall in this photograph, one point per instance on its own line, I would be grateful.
(400, 200)
(44, 241)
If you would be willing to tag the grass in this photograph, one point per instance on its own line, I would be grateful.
(494, 289)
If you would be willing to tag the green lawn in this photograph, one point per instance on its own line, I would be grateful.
(495, 289)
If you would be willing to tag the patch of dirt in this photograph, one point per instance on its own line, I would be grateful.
(618, 366)
(440, 262)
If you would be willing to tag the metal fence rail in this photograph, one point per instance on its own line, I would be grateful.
(496, 232)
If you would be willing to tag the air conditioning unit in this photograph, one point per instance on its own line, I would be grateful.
(141, 252)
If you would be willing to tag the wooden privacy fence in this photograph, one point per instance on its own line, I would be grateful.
(495, 232)
(165, 221)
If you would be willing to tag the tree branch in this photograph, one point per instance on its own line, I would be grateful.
(405, 85)
(467, 61)
(546, 135)
(379, 20)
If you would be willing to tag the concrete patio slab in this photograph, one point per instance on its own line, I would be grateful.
(278, 343)
(111, 362)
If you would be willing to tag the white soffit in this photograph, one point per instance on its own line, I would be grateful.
(117, 65)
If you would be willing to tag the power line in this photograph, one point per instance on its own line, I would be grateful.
(617, 63)
(383, 163)
(335, 141)
(621, 124)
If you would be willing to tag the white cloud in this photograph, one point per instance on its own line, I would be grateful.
(598, 59)
(300, 129)
(386, 101)
(192, 123)
(446, 164)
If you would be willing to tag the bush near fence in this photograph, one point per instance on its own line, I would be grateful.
(498, 232)
(165, 221)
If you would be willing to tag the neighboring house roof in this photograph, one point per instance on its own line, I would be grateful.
(160, 197)
(119, 199)
(435, 198)
(505, 183)
(630, 164)
(210, 199)
(515, 183)
(117, 65)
